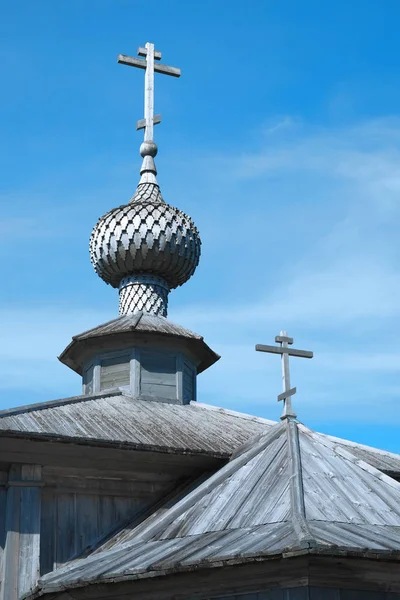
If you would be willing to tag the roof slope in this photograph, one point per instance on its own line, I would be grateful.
(125, 330)
(291, 491)
(140, 321)
(119, 418)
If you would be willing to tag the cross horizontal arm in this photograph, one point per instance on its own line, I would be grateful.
(281, 350)
(131, 61)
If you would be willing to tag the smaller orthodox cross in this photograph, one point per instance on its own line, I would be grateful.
(150, 67)
(285, 352)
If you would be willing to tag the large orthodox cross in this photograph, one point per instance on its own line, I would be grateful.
(284, 350)
(150, 67)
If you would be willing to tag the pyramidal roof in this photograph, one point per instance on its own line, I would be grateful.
(290, 491)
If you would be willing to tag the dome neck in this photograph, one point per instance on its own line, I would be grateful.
(148, 171)
(148, 188)
(143, 292)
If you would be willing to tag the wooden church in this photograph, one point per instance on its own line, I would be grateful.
(136, 490)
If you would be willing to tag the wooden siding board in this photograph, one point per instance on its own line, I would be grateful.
(66, 528)
(92, 508)
(48, 531)
(29, 544)
(9, 588)
(158, 375)
(88, 380)
(115, 372)
(22, 525)
(87, 520)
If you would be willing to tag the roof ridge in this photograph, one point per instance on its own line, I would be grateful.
(297, 503)
(9, 412)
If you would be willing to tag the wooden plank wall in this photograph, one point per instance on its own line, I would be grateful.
(115, 372)
(158, 375)
(79, 510)
(22, 531)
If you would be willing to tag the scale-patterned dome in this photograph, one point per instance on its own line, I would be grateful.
(145, 236)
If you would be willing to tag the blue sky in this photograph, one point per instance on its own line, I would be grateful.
(281, 140)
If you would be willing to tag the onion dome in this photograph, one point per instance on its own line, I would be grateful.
(146, 247)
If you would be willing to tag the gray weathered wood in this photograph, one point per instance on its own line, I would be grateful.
(110, 457)
(9, 588)
(281, 350)
(149, 94)
(179, 377)
(287, 394)
(149, 120)
(65, 527)
(29, 542)
(189, 386)
(88, 380)
(285, 352)
(143, 52)
(141, 124)
(258, 580)
(115, 372)
(158, 375)
(22, 544)
(48, 531)
(82, 506)
(131, 61)
(284, 338)
(135, 373)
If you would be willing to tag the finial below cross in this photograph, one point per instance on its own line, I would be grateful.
(285, 352)
(150, 67)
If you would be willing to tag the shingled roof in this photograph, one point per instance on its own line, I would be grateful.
(130, 328)
(290, 492)
(117, 418)
(120, 418)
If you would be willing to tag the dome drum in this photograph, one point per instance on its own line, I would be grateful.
(143, 292)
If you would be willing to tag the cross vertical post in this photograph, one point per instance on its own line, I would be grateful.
(150, 66)
(284, 340)
(287, 401)
(149, 93)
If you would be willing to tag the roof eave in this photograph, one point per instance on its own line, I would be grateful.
(78, 350)
(140, 574)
